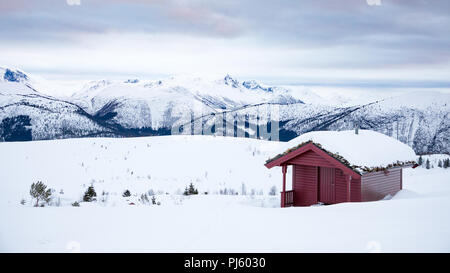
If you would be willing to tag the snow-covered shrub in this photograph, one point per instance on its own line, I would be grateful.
(22, 201)
(427, 164)
(153, 200)
(75, 204)
(228, 191)
(144, 199)
(126, 193)
(151, 192)
(273, 191)
(40, 192)
(57, 202)
(420, 161)
(243, 189)
(104, 197)
(90, 195)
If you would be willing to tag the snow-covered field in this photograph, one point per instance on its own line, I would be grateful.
(415, 220)
(165, 164)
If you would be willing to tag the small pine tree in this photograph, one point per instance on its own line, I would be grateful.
(440, 163)
(427, 164)
(153, 200)
(420, 161)
(90, 195)
(23, 202)
(126, 193)
(75, 204)
(446, 163)
(192, 189)
(40, 192)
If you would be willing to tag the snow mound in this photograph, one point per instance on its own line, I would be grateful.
(366, 149)
(405, 194)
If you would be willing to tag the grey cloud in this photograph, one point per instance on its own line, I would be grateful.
(397, 33)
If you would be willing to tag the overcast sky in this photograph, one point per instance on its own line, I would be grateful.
(345, 42)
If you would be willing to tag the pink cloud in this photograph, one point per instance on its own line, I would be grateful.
(207, 18)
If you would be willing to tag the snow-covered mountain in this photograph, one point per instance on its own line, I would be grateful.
(224, 106)
(158, 104)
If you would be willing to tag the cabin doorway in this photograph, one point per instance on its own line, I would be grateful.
(327, 185)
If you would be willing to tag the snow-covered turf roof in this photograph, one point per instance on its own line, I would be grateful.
(363, 152)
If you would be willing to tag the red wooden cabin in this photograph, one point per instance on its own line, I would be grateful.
(319, 175)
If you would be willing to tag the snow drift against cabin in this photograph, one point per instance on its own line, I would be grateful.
(363, 152)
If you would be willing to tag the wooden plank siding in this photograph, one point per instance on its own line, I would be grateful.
(355, 190)
(323, 159)
(304, 184)
(376, 185)
(341, 186)
(327, 191)
(310, 158)
(308, 190)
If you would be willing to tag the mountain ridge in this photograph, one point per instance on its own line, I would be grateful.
(223, 107)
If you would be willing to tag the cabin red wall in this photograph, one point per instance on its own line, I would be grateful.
(304, 184)
(355, 190)
(310, 158)
(327, 185)
(376, 185)
(305, 180)
(341, 186)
